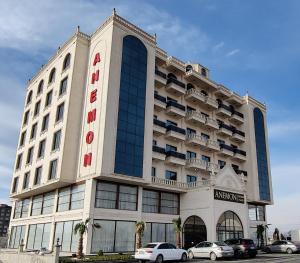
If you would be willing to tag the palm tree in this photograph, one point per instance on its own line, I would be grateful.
(178, 229)
(260, 234)
(81, 228)
(139, 230)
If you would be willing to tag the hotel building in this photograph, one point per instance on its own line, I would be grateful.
(117, 130)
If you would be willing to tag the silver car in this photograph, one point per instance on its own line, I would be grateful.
(212, 250)
(283, 246)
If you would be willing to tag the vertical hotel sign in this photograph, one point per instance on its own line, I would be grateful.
(93, 104)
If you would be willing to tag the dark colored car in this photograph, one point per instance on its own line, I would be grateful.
(242, 247)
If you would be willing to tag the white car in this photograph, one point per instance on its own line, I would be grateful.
(159, 252)
(212, 250)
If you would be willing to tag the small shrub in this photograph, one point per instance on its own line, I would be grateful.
(100, 253)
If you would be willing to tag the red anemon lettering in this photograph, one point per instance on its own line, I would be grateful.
(91, 117)
(95, 76)
(93, 96)
(89, 137)
(96, 59)
(87, 159)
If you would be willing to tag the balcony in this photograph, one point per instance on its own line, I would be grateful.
(211, 104)
(223, 111)
(223, 92)
(175, 87)
(237, 118)
(193, 95)
(195, 140)
(175, 109)
(196, 164)
(212, 146)
(160, 102)
(239, 155)
(235, 100)
(201, 81)
(238, 136)
(175, 158)
(195, 118)
(160, 79)
(211, 124)
(159, 127)
(175, 65)
(226, 150)
(158, 153)
(224, 130)
(175, 133)
(213, 168)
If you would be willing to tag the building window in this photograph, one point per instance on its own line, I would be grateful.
(29, 155)
(170, 175)
(56, 140)
(113, 236)
(191, 178)
(203, 72)
(159, 231)
(160, 202)
(221, 164)
(261, 155)
(52, 169)
(45, 123)
(51, 76)
(190, 131)
(60, 112)
(205, 158)
(41, 151)
(153, 172)
(48, 203)
(63, 86)
(29, 97)
(116, 196)
(19, 161)
(131, 115)
(40, 87)
(67, 61)
(49, 98)
(17, 234)
(33, 131)
(39, 236)
(168, 122)
(256, 212)
(38, 176)
(15, 184)
(191, 155)
(26, 117)
(22, 139)
(26, 180)
(64, 231)
(171, 148)
(21, 208)
(37, 108)
(71, 198)
(205, 136)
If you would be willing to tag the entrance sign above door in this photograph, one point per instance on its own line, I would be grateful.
(229, 196)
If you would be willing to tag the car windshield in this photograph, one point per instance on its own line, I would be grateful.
(150, 246)
(247, 242)
(221, 244)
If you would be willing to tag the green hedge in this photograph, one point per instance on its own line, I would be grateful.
(113, 257)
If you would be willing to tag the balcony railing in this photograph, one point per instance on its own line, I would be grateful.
(225, 126)
(176, 129)
(159, 123)
(161, 74)
(175, 104)
(160, 98)
(175, 154)
(221, 105)
(227, 147)
(177, 82)
(196, 136)
(239, 132)
(158, 149)
(240, 152)
(238, 114)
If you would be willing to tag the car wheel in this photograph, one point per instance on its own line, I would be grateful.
(191, 255)
(289, 251)
(184, 257)
(142, 261)
(159, 259)
(213, 256)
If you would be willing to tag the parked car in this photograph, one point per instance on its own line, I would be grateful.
(242, 247)
(282, 246)
(212, 250)
(160, 252)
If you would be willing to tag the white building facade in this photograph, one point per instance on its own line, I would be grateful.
(116, 130)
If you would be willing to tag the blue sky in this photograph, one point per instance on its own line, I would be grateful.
(249, 46)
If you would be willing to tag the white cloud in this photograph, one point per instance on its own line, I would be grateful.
(218, 46)
(281, 129)
(232, 52)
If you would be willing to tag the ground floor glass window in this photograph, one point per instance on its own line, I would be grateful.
(39, 236)
(159, 232)
(16, 236)
(229, 226)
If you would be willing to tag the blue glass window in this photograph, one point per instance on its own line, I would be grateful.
(261, 155)
(131, 117)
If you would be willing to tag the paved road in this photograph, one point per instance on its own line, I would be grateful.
(271, 258)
